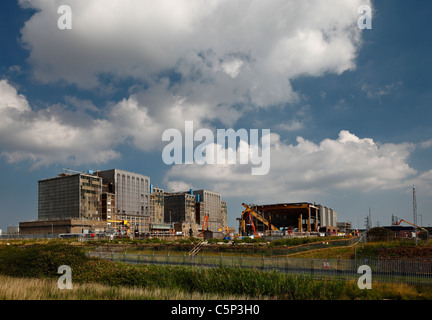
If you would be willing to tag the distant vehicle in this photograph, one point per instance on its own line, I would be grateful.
(71, 235)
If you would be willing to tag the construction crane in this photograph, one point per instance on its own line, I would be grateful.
(398, 223)
(253, 225)
(226, 229)
(205, 223)
(250, 212)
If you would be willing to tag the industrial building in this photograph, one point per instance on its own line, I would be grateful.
(157, 205)
(122, 202)
(68, 203)
(60, 226)
(211, 207)
(132, 198)
(70, 196)
(287, 217)
(201, 209)
(179, 207)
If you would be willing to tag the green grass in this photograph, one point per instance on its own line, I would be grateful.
(42, 261)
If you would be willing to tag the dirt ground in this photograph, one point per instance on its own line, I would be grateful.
(408, 252)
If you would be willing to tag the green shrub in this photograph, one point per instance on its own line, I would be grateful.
(39, 260)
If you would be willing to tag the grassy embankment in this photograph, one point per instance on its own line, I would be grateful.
(31, 273)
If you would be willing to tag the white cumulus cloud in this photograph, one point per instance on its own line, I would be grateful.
(306, 169)
(224, 51)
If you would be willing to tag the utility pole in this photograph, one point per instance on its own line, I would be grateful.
(368, 221)
(415, 213)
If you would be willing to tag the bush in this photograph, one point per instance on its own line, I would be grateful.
(380, 234)
(39, 260)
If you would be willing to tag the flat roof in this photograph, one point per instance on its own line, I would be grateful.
(68, 175)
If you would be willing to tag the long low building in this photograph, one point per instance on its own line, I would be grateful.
(62, 226)
(303, 216)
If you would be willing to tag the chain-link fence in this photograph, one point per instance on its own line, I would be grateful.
(415, 271)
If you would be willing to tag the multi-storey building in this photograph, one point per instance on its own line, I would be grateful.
(157, 205)
(108, 206)
(224, 213)
(179, 207)
(132, 197)
(103, 200)
(211, 207)
(70, 196)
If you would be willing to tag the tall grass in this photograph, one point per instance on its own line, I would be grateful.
(12, 288)
(99, 279)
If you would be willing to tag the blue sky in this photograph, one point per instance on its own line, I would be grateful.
(349, 109)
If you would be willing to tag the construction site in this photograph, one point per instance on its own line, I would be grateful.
(120, 204)
(288, 219)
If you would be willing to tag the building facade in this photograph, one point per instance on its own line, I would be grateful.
(70, 196)
(224, 214)
(157, 205)
(179, 207)
(132, 197)
(123, 199)
(132, 191)
(328, 217)
(211, 207)
(108, 206)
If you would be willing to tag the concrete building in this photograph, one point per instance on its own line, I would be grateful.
(68, 203)
(70, 196)
(185, 228)
(157, 205)
(59, 226)
(13, 230)
(344, 227)
(190, 207)
(179, 207)
(224, 213)
(211, 207)
(132, 197)
(108, 206)
(74, 201)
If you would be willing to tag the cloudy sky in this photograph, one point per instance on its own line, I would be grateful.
(349, 109)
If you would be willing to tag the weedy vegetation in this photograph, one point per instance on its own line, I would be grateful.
(30, 272)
